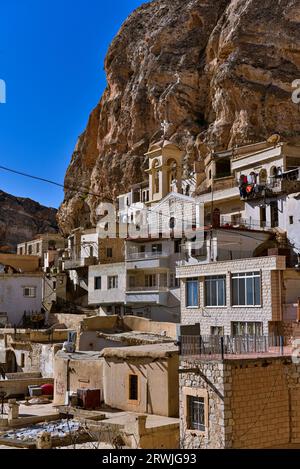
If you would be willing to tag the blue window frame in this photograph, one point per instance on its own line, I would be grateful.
(192, 292)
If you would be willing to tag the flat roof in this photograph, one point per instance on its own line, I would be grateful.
(150, 351)
(79, 355)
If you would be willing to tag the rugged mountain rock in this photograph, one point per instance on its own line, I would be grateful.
(22, 219)
(219, 72)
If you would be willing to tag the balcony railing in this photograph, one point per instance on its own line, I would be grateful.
(244, 223)
(147, 289)
(229, 347)
(134, 256)
(77, 262)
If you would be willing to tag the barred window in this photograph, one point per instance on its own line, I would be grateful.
(196, 413)
(29, 292)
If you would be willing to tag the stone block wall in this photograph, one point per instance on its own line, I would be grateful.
(258, 405)
(210, 377)
(224, 316)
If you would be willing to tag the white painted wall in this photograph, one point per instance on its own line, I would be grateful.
(12, 300)
(87, 241)
(106, 296)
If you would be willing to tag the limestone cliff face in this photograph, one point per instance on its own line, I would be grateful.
(219, 72)
(22, 219)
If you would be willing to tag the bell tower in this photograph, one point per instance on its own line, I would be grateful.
(165, 170)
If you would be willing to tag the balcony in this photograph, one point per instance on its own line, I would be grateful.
(244, 223)
(79, 262)
(214, 347)
(286, 182)
(147, 260)
(147, 289)
(137, 256)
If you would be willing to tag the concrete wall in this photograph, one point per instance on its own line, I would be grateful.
(71, 374)
(105, 295)
(153, 377)
(12, 300)
(18, 387)
(135, 323)
(25, 263)
(89, 340)
(70, 321)
(208, 317)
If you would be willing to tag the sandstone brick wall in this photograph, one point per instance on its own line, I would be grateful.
(258, 407)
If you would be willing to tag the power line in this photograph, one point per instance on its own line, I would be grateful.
(49, 181)
(87, 192)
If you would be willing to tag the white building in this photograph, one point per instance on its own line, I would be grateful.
(19, 294)
(106, 288)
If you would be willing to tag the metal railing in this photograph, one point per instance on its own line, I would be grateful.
(147, 289)
(221, 347)
(134, 256)
(247, 223)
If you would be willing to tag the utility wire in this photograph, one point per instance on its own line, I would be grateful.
(87, 192)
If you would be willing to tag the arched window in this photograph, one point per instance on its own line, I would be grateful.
(263, 176)
(172, 172)
(156, 182)
(155, 176)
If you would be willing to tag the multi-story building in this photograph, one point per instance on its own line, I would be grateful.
(86, 249)
(45, 246)
(21, 287)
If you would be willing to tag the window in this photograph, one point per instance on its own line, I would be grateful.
(132, 283)
(192, 292)
(150, 280)
(133, 388)
(215, 291)
(177, 246)
(30, 250)
(29, 292)
(163, 280)
(217, 330)
(91, 251)
(54, 285)
(291, 219)
(174, 282)
(21, 251)
(263, 217)
(247, 328)
(157, 248)
(98, 283)
(38, 248)
(274, 214)
(246, 289)
(22, 360)
(196, 413)
(109, 252)
(112, 282)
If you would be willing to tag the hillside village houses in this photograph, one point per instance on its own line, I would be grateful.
(212, 252)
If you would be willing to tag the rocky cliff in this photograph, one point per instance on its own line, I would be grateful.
(219, 72)
(22, 219)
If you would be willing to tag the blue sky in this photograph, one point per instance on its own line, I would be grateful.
(51, 58)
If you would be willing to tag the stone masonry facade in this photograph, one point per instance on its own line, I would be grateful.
(252, 403)
(208, 317)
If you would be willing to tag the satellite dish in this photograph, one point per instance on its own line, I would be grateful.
(275, 139)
